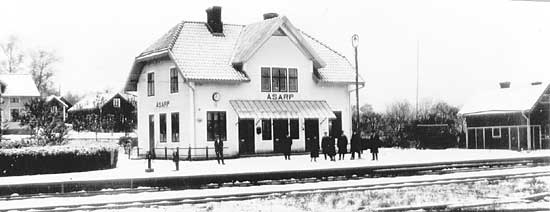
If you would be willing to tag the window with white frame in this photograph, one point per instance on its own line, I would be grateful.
(496, 132)
(174, 80)
(150, 84)
(279, 79)
(116, 102)
(14, 100)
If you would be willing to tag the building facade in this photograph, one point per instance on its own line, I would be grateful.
(19, 90)
(58, 105)
(249, 84)
(108, 112)
(515, 118)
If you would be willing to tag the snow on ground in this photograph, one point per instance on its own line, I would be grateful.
(89, 135)
(388, 156)
(204, 193)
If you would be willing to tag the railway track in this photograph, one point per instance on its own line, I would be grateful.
(168, 198)
(129, 185)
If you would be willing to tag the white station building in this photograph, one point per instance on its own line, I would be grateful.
(250, 84)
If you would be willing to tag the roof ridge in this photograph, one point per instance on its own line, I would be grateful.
(204, 22)
(323, 44)
(176, 35)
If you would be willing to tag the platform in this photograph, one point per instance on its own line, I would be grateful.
(165, 168)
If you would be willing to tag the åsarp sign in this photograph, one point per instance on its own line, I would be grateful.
(275, 96)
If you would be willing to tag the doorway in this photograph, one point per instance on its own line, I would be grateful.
(312, 132)
(152, 134)
(246, 136)
(280, 130)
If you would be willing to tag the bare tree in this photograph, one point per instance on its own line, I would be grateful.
(41, 66)
(14, 55)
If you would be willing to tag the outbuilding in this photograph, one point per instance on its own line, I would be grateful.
(18, 90)
(249, 84)
(509, 117)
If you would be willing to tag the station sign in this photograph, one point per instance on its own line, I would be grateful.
(277, 96)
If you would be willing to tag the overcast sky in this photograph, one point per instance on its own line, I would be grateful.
(466, 46)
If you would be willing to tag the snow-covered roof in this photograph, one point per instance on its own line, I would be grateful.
(58, 99)
(202, 56)
(19, 85)
(94, 101)
(504, 100)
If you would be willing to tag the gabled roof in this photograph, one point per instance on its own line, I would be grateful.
(58, 99)
(505, 100)
(19, 85)
(95, 101)
(253, 36)
(202, 56)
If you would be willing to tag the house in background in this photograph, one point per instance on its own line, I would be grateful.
(19, 90)
(251, 85)
(512, 117)
(109, 112)
(58, 105)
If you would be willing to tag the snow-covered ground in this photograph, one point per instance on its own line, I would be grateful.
(203, 193)
(388, 156)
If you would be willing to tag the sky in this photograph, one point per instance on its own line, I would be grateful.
(460, 47)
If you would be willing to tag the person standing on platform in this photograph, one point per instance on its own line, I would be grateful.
(342, 146)
(314, 149)
(356, 145)
(287, 145)
(331, 149)
(325, 144)
(375, 143)
(218, 148)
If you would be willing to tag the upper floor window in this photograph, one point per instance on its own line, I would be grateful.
(266, 79)
(151, 84)
(173, 80)
(53, 109)
(279, 79)
(14, 100)
(293, 80)
(116, 102)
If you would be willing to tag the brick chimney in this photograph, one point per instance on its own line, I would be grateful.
(505, 84)
(270, 15)
(214, 19)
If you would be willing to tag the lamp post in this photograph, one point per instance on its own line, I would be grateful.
(355, 43)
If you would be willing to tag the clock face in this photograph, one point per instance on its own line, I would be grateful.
(216, 96)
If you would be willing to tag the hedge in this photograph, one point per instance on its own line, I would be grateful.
(57, 159)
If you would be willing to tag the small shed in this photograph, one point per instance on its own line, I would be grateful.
(510, 117)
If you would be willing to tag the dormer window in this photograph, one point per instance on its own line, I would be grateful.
(279, 79)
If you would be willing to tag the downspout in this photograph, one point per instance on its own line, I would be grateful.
(191, 85)
(528, 130)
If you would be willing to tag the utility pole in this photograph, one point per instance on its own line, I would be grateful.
(355, 44)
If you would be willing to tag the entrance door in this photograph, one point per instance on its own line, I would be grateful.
(312, 132)
(152, 134)
(246, 136)
(280, 130)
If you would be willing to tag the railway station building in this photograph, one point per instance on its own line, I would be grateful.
(250, 84)
(512, 117)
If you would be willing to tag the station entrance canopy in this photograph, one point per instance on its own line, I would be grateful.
(269, 109)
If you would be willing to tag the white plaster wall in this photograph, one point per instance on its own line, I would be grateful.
(147, 105)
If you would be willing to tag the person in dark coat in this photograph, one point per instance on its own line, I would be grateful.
(342, 145)
(314, 149)
(375, 143)
(287, 146)
(324, 144)
(218, 148)
(356, 145)
(331, 148)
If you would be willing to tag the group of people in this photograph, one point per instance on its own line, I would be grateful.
(329, 145)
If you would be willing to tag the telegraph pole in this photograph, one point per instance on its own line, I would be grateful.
(355, 44)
